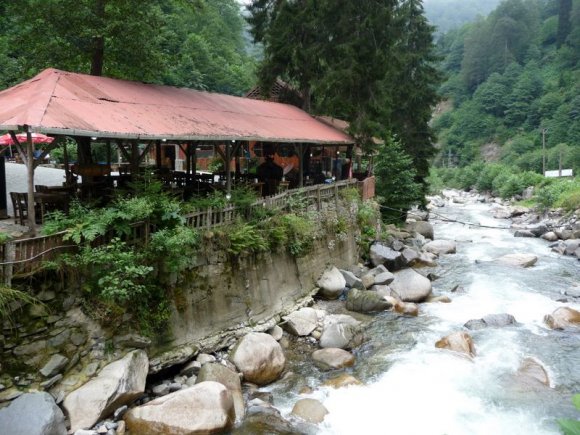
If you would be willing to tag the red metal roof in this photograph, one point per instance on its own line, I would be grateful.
(60, 102)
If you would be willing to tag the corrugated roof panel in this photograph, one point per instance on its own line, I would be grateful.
(60, 102)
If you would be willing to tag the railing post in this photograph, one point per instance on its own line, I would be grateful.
(9, 256)
(318, 199)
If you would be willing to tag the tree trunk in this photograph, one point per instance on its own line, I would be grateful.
(98, 49)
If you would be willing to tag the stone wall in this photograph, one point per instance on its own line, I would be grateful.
(58, 348)
(225, 293)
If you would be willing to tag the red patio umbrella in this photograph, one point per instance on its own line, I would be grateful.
(6, 139)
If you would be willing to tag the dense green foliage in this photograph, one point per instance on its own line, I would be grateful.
(511, 77)
(508, 182)
(396, 186)
(118, 273)
(198, 44)
(119, 270)
(370, 63)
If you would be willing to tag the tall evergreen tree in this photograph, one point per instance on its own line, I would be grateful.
(564, 23)
(415, 91)
(367, 62)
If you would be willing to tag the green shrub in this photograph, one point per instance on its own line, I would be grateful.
(246, 238)
(571, 427)
(488, 175)
(501, 180)
(555, 192)
(300, 232)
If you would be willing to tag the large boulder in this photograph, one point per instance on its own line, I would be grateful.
(499, 320)
(301, 322)
(341, 381)
(410, 256)
(264, 419)
(341, 331)
(352, 281)
(205, 408)
(310, 410)
(228, 378)
(460, 342)
(381, 254)
(440, 247)
(533, 371)
(411, 286)
(259, 357)
(426, 259)
(491, 320)
(423, 228)
(406, 308)
(331, 283)
(538, 230)
(366, 301)
(572, 246)
(518, 260)
(562, 318)
(32, 414)
(117, 384)
(550, 236)
(332, 358)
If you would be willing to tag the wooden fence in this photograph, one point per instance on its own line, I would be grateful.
(19, 258)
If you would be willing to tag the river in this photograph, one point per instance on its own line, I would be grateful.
(413, 388)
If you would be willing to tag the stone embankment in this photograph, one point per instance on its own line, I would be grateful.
(220, 391)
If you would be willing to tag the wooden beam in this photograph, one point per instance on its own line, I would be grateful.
(121, 148)
(220, 152)
(145, 151)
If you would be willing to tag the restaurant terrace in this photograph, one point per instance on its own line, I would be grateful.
(140, 122)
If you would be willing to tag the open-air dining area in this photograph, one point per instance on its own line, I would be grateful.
(114, 133)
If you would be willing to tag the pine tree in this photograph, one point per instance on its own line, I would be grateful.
(367, 62)
(415, 90)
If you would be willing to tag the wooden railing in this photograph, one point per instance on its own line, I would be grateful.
(24, 257)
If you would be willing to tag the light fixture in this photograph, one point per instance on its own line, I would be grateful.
(311, 155)
(228, 196)
(93, 138)
(163, 140)
(337, 153)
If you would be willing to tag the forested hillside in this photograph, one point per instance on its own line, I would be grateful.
(512, 80)
(447, 15)
(198, 44)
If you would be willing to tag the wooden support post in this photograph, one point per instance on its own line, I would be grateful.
(227, 166)
(187, 159)
(301, 148)
(193, 158)
(134, 162)
(158, 154)
(109, 154)
(3, 203)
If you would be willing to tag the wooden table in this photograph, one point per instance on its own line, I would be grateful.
(49, 202)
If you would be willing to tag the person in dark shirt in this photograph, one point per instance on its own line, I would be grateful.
(270, 174)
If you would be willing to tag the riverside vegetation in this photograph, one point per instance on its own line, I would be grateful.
(120, 274)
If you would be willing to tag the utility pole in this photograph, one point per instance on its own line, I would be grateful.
(544, 130)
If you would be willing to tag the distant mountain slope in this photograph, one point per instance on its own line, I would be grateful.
(450, 14)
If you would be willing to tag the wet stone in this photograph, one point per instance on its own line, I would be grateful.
(60, 340)
(78, 338)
